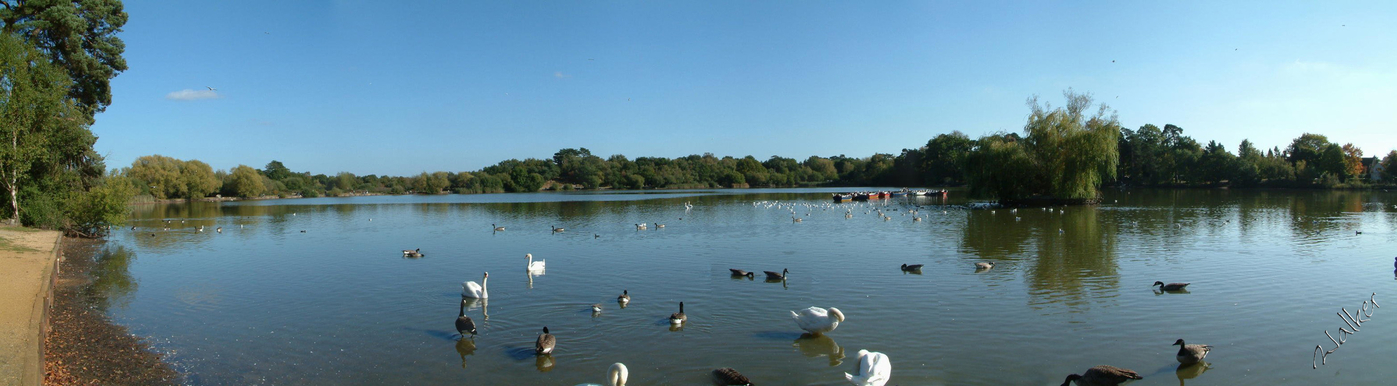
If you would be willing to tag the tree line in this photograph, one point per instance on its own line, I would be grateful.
(56, 62)
(1065, 152)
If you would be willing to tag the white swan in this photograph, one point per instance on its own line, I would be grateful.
(615, 376)
(534, 265)
(874, 369)
(817, 320)
(476, 291)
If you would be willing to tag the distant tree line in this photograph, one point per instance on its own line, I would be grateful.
(1067, 152)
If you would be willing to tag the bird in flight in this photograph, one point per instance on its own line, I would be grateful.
(211, 88)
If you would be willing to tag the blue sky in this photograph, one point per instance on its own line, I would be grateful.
(397, 89)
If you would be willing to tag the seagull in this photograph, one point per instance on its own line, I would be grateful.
(211, 88)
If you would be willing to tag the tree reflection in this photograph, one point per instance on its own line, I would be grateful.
(1073, 250)
(111, 277)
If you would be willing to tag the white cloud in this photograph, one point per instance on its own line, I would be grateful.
(192, 95)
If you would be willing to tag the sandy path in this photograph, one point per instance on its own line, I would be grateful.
(26, 272)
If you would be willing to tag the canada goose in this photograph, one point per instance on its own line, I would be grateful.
(1191, 353)
(1102, 375)
(464, 324)
(219, 230)
(557, 229)
(476, 291)
(532, 265)
(410, 253)
(984, 265)
(641, 226)
(544, 344)
(915, 219)
(912, 267)
(596, 236)
(678, 317)
(659, 225)
(796, 219)
(596, 308)
(874, 369)
(728, 376)
(738, 272)
(816, 320)
(497, 228)
(1170, 286)
(201, 229)
(625, 297)
(776, 276)
(133, 227)
(1357, 232)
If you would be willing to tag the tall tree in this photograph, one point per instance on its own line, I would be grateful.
(77, 35)
(33, 114)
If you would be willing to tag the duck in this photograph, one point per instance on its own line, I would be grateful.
(738, 272)
(219, 230)
(497, 228)
(557, 229)
(1191, 353)
(729, 376)
(464, 324)
(873, 369)
(777, 276)
(1102, 375)
(1170, 286)
(596, 308)
(816, 320)
(476, 291)
(796, 219)
(533, 265)
(615, 376)
(984, 265)
(912, 267)
(625, 297)
(678, 317)
(545, 343)
(410, 253)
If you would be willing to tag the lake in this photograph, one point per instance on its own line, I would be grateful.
(316, 291)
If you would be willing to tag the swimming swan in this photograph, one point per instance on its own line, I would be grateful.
(534, 265)
(476, 291)
(816, 320)
(874, 369)
(615, 376)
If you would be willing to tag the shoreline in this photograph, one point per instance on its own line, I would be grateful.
(82, 345)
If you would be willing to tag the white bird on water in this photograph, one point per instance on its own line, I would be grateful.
(874, 369)
(816, 320)
(476, 291)
(615, 376)
(534, 265)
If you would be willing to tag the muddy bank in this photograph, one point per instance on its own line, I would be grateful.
(82, 346)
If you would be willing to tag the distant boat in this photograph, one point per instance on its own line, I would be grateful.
(841, 197)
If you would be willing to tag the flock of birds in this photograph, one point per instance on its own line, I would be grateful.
(873, 368)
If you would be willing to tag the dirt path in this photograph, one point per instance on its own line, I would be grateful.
(83, 347)
(26, 272)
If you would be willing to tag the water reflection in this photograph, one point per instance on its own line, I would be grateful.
(544, 363)
(473, 303)
(1190, 371)
(815, 346)
(465, 346)
(1072, 250)
(112, 281)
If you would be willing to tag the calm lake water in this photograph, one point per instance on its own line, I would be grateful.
(316, 291)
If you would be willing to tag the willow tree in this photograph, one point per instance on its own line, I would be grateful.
(1066, 153)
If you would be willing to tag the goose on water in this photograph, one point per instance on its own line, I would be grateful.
(545, 343)
(659, 225)
(410, 253)
(796, 219)
(678, 317)
(464, 324)
(615, 376)
(641, 226)
(912, 267)
(533, 265)
(738, 272)
(777, 276)
(730, 377)
(476, 291)
(984, 265)
(1170, 286)
(873, 369)
(1191, 353)
(557, 229)
(1102, 375)
(219, 230)
(625, 297)
(816, 320)
(497, 228)
(596, 308)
